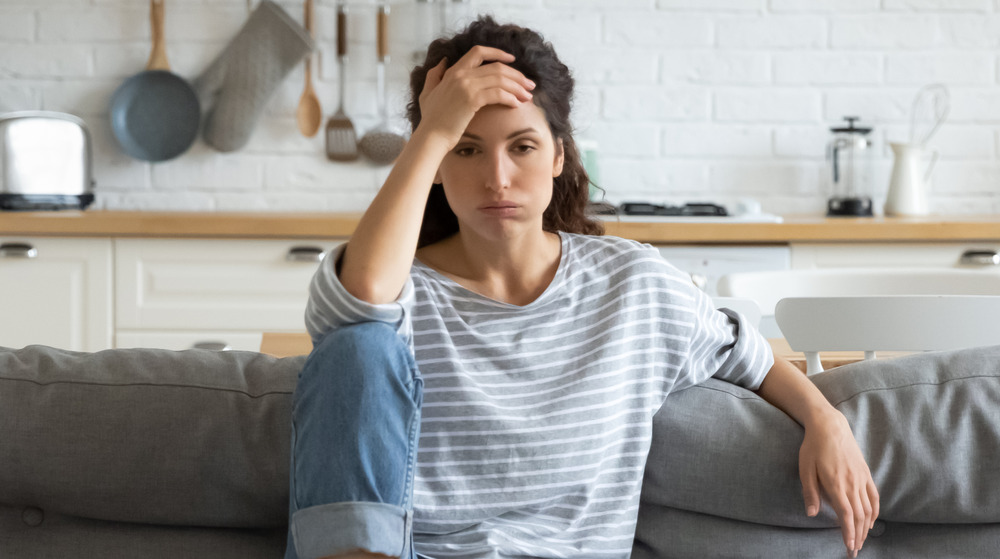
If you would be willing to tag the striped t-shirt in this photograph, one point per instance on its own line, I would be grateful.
(537, 419)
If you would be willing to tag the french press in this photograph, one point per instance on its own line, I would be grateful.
(849, 170)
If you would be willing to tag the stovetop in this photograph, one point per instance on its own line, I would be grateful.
(692, 212)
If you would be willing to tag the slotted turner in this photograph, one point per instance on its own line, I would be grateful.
(341, 139)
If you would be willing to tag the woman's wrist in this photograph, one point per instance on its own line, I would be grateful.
(824, 417)
(437, 141)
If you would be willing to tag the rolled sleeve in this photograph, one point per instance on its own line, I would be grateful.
(726, 346)
(331, 306)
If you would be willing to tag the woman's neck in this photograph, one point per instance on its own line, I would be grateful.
(515, 271)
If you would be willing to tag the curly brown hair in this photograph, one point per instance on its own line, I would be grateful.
(553, 93)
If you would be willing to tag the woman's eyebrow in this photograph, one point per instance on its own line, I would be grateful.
(511, 135)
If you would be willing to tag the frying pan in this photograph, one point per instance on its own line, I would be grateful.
(155, 114)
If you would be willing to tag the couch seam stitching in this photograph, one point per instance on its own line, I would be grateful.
(148, 384)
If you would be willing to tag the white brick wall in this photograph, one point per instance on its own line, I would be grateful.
(687, 99)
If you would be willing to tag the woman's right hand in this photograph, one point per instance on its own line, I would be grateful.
(451, 96)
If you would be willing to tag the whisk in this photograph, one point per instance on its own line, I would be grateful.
(930, 108)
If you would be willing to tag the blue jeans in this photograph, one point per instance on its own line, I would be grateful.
(355, 425)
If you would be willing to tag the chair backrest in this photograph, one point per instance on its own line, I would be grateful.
(747, 307)
(887, 322)
(767, 288)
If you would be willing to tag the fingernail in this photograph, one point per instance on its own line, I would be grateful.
(811, 511)
(531, 84)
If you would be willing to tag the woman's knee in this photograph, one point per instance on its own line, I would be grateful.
(366, 352)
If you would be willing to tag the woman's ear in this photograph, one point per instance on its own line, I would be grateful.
(557, 164)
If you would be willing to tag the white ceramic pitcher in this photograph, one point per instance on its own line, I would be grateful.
(909, 183)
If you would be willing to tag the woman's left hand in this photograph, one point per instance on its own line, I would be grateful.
(831, 462)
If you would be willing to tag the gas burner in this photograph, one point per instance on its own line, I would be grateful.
(691, 209)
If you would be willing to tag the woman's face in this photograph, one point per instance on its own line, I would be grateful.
(498, 178)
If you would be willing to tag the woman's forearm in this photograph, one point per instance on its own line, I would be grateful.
(379, 255)
(788, 389)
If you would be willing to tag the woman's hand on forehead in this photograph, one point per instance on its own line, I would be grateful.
(452, 96)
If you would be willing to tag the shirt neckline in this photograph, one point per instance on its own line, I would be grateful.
(554, 285)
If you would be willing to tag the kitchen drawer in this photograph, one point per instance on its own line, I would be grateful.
(241, 341)
(880, 255)
(214, 285)
(56, 292)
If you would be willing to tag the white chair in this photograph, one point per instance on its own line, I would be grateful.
(767, 288)
(890, 322)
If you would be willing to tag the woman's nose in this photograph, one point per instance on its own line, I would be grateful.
(498, 174)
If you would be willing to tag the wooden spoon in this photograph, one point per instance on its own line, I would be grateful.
(309, 114)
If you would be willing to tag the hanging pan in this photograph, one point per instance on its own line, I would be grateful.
(155, 114)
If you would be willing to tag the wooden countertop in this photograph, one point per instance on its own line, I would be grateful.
(264, 225)
(286, 344)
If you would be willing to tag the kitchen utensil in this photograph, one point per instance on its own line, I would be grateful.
(309, 114)
(930, 109)
(849, 158)
(341, 139)
(382, 144)
(45, 162)
(155, 114)
(909, 182)
(237, 86)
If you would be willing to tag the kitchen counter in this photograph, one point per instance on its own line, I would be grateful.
(286, 344)
(799, 229)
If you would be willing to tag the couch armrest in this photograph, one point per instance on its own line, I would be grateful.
(928, 424)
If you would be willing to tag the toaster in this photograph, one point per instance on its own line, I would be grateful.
(45, 161)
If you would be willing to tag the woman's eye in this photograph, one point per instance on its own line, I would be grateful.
(524, 148)
(465, 151)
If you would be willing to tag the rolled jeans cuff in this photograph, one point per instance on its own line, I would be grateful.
(334, 528)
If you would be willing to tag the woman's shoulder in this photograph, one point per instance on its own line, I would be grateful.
(606, 254)
(604, 247)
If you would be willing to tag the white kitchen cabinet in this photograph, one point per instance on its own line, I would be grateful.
(56, 292)
(173, 293)
(881, 255)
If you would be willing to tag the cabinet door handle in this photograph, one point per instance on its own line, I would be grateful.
(980, 258)
(305, 254)
(212, 345)
(18, 250)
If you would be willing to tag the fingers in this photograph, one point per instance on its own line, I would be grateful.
(810, 488)
(479, 54)
(503, 82)
(873, 498)
(862, 514)
(473, 64)
(435, 74)
(856, 512)
(845, 514)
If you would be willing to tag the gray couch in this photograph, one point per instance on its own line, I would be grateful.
(151, 453)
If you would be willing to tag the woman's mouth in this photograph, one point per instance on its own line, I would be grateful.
(499, 208)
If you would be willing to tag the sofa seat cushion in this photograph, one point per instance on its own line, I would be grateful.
(928, 424)
(195, 438)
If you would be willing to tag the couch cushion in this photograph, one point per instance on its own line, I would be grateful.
(194, 437)
(929, 425)
(33, 534)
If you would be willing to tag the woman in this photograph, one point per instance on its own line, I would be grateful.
(543, 349)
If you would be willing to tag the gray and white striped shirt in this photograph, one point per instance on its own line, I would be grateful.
(537, 419)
